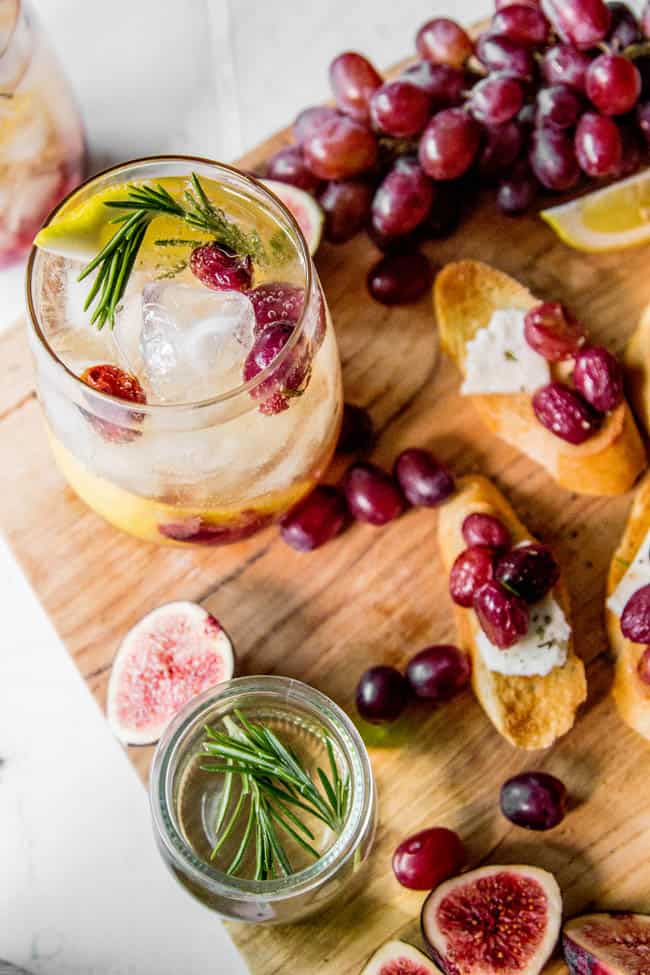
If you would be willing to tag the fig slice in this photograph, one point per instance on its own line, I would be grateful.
(607, 944)
(173, 653)
(398, 958)
(493, 921)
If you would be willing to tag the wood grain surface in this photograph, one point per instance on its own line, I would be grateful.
(379, 595)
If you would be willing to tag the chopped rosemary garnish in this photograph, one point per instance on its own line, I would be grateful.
(509, 354)
(274, 786)
(115, 260)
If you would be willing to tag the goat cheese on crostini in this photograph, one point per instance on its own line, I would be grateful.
(544, 647)
(499, 359)
(636, 576)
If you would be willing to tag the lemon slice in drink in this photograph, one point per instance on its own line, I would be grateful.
(78, 232)
(606, 220)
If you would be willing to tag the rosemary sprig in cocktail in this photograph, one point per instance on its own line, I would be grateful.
(274, 789)
(116, 259)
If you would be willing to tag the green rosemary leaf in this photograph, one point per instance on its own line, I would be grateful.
(329, 791)
(285, 826)
(225, 802)
(243, 846)
(232, 822)
(179, 242)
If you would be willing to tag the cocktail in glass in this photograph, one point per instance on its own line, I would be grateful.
(41, 137)
(238, 385)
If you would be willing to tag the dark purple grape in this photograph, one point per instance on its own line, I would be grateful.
(443, 41)
(553, 159)
(565, 413)
(447, 210)
(403, 199)
(288, 166)
(315, 520)
(219, 269)
(357, 429)
(521, 23)
(598, 145)
(613, 84)
(517, 193)
(643, 666)
(501, 146)
(502, 615)
(353, 80)
(635, 618)
(346, 205)
(382, 694)
(422, 479)
(496, 99)
(399, 279)
(634, 148)
(276, 301)
(340, 149)
(552, 331)
(471, 570)
(400, 108)
(558, 106)
(534, 800)
(437, 673)
(598, 377)
(501, 54)
(311, 119)
(372, 494)
(564, 64)
(444, 85)
(583, 23)
(528, 570)
(483, 529)
(449, 144)
(623, 29)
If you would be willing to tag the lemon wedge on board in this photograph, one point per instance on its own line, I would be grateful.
(610, 219)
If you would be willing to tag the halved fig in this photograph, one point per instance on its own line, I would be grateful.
(398, 958)
(493, 921)
(169, 656)
(607, 944)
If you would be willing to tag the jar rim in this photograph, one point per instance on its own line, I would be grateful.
(246, 180)
(329, 714)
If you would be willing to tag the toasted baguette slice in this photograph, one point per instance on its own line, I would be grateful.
(632, 696)
(465, 296)
(637, 363)
(531, 712)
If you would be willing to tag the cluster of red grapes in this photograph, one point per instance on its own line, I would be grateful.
(552, 90)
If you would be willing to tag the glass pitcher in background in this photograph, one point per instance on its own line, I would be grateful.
(41, 136)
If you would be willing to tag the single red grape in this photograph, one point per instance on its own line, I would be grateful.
(399, 279)
(315, 520)
(501, 54)
(354, 79)
(565, 413)
(496, 99)
(564, 64)
(471, 569)
(517, 192)
(288, 166)
(382, 694)
(583, 23)
(502, 615)
(346, 205)
(219, 269)
(534, 800)
(311, 119)
(438, 672)
(553, 159)
(340, 148)
(423, 480)
(444, 85)
(479, 528)
(598, 377)
(529, 570)
(372, 494)
(558, 106)
(400, 108)
(635, 618)
(613, 84)
(449, 144)
(443, 41)
(521, 23)
(403, 199)
(552, 331)
(598, 145)
(285, 380)
(425, 859)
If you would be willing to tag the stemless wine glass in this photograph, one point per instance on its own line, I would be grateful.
(41, 136)
(182, 468)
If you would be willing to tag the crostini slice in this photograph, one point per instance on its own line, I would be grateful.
(466, 295)
(631, 694)
(531, 712)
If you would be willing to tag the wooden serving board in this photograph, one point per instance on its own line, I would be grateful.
(379, 595)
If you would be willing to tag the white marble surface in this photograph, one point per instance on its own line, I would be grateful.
(81, 888)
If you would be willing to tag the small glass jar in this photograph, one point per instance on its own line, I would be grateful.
(297, 710)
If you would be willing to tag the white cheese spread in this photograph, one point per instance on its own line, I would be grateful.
(636, 576)
(499, 359)
(544, 647)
